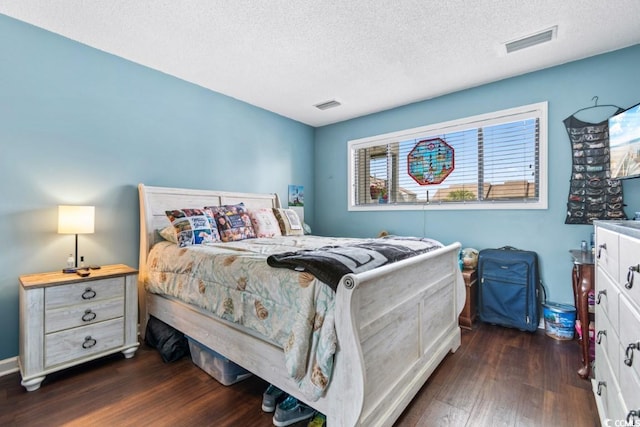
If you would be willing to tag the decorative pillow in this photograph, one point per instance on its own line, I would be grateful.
(169, 234)
(193, 226)
(306, 227)
(233, 222)
(264, 222)
(290, 224)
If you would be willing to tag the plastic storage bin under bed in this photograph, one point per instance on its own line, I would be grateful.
(215, 364)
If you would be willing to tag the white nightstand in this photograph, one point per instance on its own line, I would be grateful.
(66, 319)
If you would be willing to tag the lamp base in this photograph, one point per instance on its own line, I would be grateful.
(69, 270)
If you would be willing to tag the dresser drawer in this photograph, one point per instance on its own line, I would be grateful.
(605, 386)
(82, 314)
(78, 343)
(607, 298)
(630, 388)
(629, 338)
(629, 266)
(77, 293)
(607, 252)
(607, 343)
(606, 390)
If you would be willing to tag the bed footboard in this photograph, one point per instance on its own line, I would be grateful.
(395, 325)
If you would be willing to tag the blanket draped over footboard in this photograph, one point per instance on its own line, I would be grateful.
(330, 263)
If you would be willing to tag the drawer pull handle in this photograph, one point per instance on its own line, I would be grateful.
(602, 292)
(88, 315)
(631, 416)
(600, 385)
(88, 293)
(600, 248)
(629, 353)
(600, 334)
(89, 342)
(632, 269)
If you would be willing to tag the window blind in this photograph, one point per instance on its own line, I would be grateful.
(495, 160)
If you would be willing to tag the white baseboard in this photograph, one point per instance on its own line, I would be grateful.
(9, 366)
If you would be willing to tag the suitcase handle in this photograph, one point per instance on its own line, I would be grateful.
(542, 300)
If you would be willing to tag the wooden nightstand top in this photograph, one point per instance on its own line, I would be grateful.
(59, 278)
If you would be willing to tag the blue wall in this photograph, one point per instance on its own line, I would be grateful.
(613, 77)
(79, 126)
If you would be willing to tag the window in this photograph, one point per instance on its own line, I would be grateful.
(492, 161)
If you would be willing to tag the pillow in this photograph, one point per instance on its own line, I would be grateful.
(233, 222)
(264, 222)
(169, 234)
(306, 227)
(192, 226)
(289, 221)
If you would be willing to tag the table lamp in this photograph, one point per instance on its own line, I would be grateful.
(75, 220)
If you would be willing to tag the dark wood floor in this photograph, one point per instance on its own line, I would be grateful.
(499, 377)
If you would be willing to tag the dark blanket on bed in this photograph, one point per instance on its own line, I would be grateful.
(330, 263)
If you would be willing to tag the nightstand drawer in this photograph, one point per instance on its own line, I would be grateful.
(81, 342)
(95, 290)
(82, 314)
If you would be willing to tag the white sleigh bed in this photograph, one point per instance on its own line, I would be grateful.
(394, 324)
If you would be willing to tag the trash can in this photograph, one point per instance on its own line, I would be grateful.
(559, 320)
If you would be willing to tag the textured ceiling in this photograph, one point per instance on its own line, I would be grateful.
(371, 55)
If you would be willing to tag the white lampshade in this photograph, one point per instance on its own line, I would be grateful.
(76, 219)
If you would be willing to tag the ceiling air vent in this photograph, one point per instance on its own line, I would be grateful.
(326, 105)
(532, 40)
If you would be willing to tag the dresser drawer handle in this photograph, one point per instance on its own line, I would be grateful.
(599, 336)
(632, 269)
(629, 353)
(89, 342)
(600, 385)
(600, 248)
(88, 315)
(602, 292)
(88, 293)
(631, 416)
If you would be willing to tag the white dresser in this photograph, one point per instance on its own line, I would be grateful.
(617, 290)
(66, 319)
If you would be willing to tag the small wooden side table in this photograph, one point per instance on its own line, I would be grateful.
(582, 280)
(66, 319)
(468, 315)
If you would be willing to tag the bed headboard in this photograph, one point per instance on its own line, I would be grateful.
(154, 201)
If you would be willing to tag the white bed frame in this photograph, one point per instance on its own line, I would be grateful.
(394, 324)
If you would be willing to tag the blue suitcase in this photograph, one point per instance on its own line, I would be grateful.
(509, 282)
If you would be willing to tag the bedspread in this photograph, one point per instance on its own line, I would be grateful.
(233, 281)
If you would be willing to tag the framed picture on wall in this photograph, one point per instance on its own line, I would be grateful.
(296, 195)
